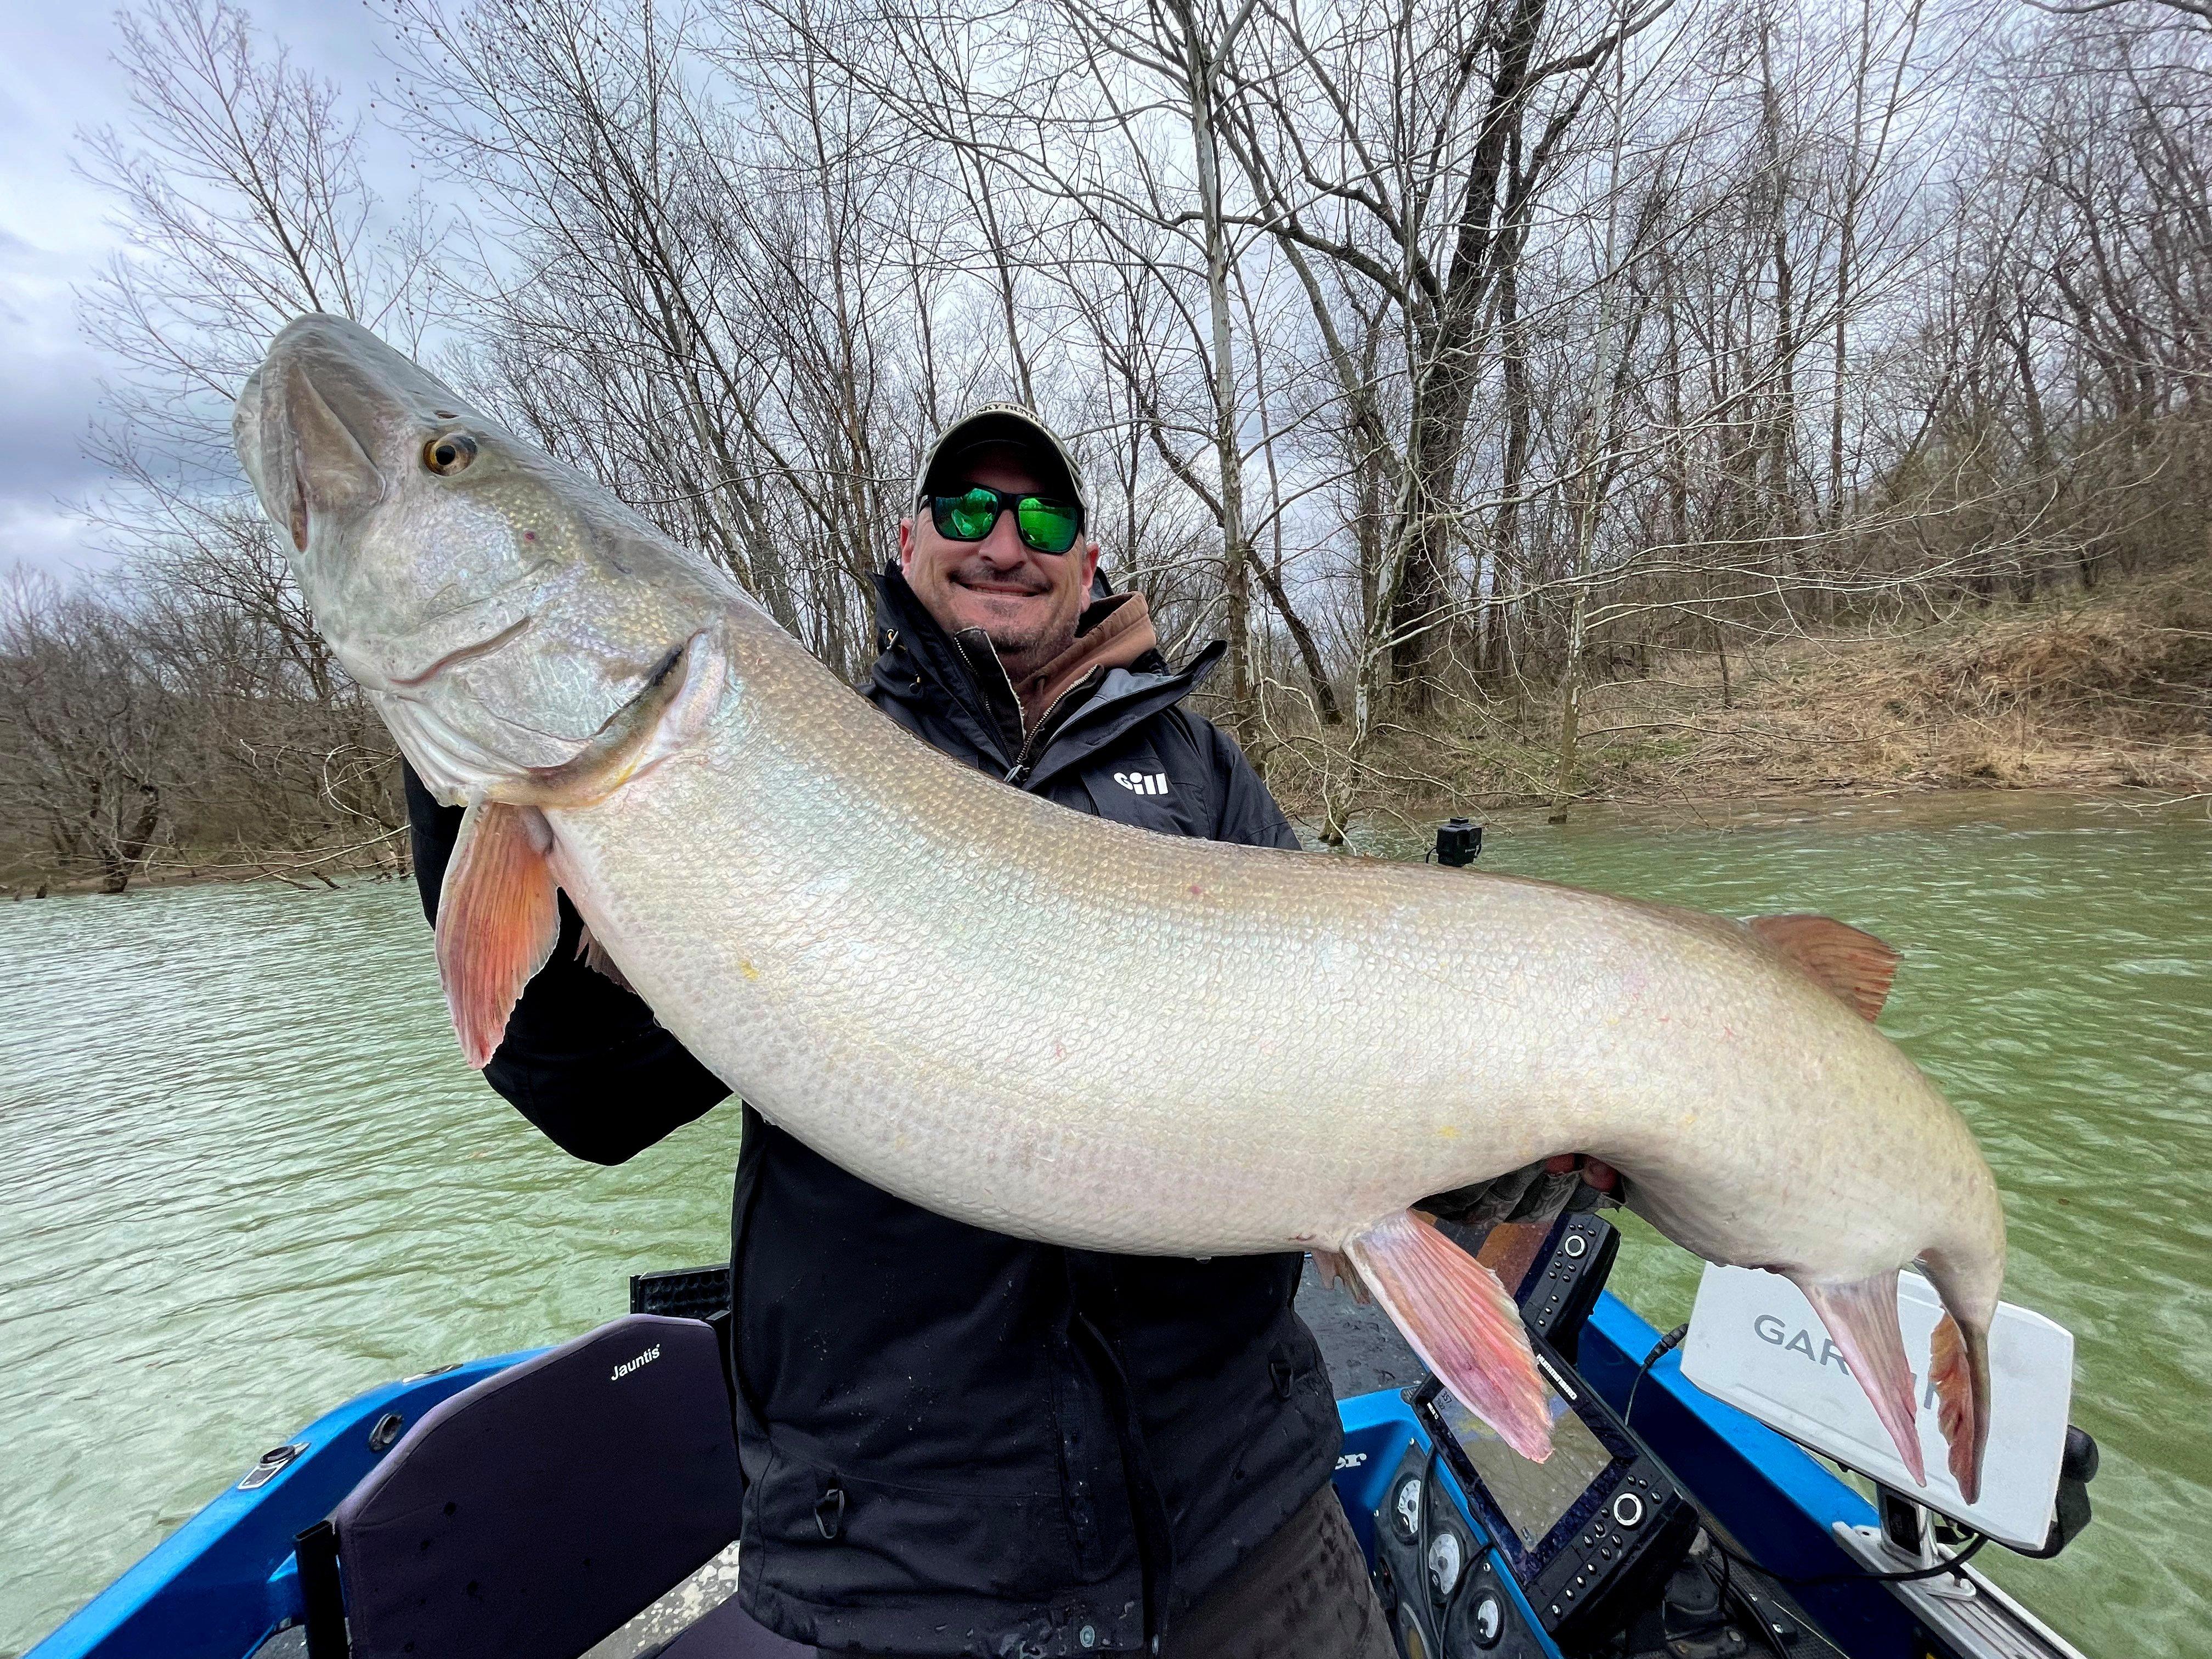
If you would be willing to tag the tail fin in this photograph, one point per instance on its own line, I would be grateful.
(1863, 1318)
(1968, 1281)
(1462, 1322)
(1960, 1368)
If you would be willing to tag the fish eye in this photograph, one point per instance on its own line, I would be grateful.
(449, 453)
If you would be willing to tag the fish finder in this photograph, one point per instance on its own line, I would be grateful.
(1585, 1533)
(1572, 1545)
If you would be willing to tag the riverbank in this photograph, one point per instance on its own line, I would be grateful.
(2107, 691)
(307, 870)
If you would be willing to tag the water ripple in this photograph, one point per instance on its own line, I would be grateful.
(249, 1175)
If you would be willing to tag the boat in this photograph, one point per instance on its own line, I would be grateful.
(1668, 1522)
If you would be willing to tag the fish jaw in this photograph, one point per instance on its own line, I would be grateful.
(499, 614)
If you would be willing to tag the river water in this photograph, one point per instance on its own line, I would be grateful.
(246, 1175)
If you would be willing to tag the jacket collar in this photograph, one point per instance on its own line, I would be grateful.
(1114, 632)
(964, 679)
(1105, 696)
(1123, 698)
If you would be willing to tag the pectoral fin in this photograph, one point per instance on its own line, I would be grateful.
(1959, 1366)
(1462, 1322)
(1863, 1318)
(498, 921)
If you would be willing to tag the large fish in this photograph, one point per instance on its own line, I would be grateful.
(1040, 1023)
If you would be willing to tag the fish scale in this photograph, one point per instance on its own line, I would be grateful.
(1039, 1022)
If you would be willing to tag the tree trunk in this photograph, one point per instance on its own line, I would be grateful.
(1505, 527)
(1605, 390)
(1570, 709)
(1417, 570)
(1199, 72)
(1325, 703)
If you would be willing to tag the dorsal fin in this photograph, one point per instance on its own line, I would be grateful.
(1857, 967)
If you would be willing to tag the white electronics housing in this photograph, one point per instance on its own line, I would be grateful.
(1756, 1343)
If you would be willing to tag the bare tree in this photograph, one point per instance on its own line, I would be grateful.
(87, 736)
(1452, 360)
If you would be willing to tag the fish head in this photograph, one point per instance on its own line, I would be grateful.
(507, 615)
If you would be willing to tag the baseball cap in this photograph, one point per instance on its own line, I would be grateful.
(1000, 424)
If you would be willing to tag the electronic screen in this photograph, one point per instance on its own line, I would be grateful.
(1532, 1497)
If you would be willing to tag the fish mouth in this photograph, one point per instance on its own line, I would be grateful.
(329, 420)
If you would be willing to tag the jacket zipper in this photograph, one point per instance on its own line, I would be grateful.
(1025, 763)
(1018, 773)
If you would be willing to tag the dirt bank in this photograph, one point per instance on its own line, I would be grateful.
(2107, 689)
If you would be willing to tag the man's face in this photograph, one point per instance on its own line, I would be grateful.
(1026, 602)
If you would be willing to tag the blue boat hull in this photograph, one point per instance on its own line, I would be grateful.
(225, 1581)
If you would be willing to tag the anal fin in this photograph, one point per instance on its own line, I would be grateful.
(1863, 1318)
(1462, 1322)
(1959, 1366)
(498, 921)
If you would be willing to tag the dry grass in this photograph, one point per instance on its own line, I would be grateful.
(2110, 688)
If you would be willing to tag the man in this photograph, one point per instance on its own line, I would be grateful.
(955, 1442)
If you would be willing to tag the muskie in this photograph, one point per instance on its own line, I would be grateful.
(1056, 1027)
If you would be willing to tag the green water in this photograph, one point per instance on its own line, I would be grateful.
(246, 1175)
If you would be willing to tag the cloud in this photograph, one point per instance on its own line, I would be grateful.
(49, 393)
(58, 78)
(49, 538)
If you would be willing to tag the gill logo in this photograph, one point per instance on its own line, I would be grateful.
(1143, 783)
(629, 1365)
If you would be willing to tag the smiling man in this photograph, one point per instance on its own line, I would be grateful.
(993, 546)
(997, 555)
(957, 1443)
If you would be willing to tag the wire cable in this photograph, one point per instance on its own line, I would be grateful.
(1949, 1564)
(1665, 1346)
(1748, 1606)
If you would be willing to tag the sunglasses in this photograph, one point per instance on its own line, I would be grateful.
(1044, 525)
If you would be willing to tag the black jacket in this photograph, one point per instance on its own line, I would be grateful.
(957, 1443)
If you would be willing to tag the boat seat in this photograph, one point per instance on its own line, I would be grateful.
(532, 1515)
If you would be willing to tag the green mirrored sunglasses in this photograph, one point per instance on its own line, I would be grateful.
(1044, 525)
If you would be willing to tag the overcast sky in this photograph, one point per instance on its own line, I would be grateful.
(57, 77)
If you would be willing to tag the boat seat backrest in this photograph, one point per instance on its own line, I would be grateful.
(528, 1516)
